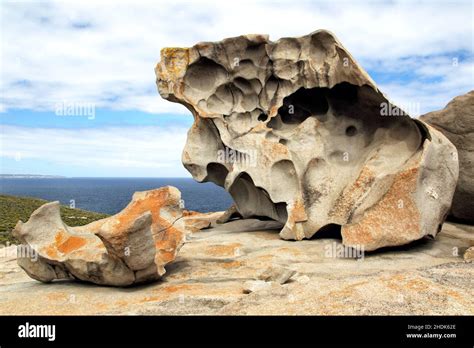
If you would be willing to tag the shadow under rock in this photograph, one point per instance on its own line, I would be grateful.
(246, 225)
(330, 231)
(333, 231)
(75, 283)
(412, 246)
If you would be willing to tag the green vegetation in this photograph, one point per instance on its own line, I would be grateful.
(13, 208)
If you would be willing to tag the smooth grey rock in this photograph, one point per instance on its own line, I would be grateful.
(256, 285)
(277, 274)
(456, 122)
(229, 214)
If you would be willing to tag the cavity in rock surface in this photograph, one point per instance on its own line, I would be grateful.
(297, 132)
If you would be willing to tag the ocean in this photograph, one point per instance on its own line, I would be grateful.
(110, 195)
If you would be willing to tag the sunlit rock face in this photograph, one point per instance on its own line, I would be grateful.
(296, 131)
(456, 122)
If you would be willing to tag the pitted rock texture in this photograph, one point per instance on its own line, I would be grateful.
(456, 122)
(294, 130)
(130, 247)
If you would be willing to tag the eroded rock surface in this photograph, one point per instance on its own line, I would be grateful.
(296, 131)
(456, 122)
(132, 246)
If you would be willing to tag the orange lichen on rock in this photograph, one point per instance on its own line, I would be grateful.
(131, 246)
(231, 264)
(176, 288)
(63, 243)
(167, 244)
(298, 211)
(223, 250)
(394, 220)
(346, 202)
(71, 243)
(151, 201)
(175, 61)
(51, 251)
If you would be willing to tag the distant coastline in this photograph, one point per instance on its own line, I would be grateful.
(111, 195)
(30, 176)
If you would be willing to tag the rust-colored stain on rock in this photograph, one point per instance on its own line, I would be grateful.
(63, 243)
(223, 250)
(393, 220)
(71, 244)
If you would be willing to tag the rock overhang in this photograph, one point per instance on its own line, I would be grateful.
(317, 148)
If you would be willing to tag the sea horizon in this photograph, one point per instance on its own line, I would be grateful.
(110, 195)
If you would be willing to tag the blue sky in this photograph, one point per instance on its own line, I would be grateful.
(101, 54)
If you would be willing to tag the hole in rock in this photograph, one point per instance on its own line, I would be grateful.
(203, 74)
(216, 173)
(302, 104)
(275, 122)
(351, 131)
(262, 117)
(254, 201)
(329, 231)
(344, 92)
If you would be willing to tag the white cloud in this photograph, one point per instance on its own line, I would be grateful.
(449, 80)
(110, 62)
(149, 150)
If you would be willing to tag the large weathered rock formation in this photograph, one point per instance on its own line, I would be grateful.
(299, 133)
(132, 246)
(456, 122)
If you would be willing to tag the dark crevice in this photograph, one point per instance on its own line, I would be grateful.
(425, 134)
(344, 91)
(262, 117)
(313, 102)
(216, 173)
(414, 245)
(329, 231)
(302, 104)
(351, 131)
